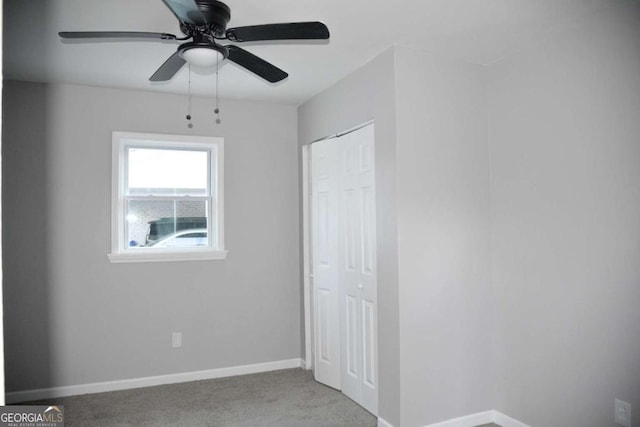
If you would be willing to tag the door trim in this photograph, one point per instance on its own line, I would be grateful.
(306, 262)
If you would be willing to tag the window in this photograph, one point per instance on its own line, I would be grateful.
(167, 202)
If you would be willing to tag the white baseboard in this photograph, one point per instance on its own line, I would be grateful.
(384, 423)
(467, 421)
(506, 421)
(47, 393)
(479, 418)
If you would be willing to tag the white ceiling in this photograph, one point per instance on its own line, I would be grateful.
(478, 31)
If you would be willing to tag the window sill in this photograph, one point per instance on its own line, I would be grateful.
(166, 256)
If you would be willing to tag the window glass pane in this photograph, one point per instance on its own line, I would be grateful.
(167, 223)
(160, 172)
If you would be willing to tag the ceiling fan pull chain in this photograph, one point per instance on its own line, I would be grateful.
(217, 110)
(189, 125)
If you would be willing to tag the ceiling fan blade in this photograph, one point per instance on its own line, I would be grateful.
(256, 65)
(286, 31)
(186, 11)
(115, 35)
(169, 69)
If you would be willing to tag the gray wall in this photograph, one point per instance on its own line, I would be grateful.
(362, 96)
(442, 167)
(71, 316)
(565, 141)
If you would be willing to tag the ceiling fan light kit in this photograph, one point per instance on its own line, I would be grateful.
(202, 55)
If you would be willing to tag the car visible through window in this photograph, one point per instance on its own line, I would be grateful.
(183, 239)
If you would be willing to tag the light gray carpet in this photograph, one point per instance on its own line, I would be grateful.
(284, 398)
(281, 398)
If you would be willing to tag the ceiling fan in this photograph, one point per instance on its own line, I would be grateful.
(204, 22)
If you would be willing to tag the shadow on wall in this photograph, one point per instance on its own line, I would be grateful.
(26, 265)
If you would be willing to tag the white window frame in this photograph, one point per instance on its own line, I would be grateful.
(120, 252)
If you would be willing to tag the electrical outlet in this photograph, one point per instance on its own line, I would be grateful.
(176, 340)
(622, 413)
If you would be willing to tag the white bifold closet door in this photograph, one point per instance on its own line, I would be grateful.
(355, 249)
(325, 279)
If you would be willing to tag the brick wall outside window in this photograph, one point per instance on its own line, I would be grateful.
(141, 212)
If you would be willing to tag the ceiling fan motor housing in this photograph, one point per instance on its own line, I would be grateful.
(216, 15)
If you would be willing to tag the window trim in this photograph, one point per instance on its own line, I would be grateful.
(119, 252)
